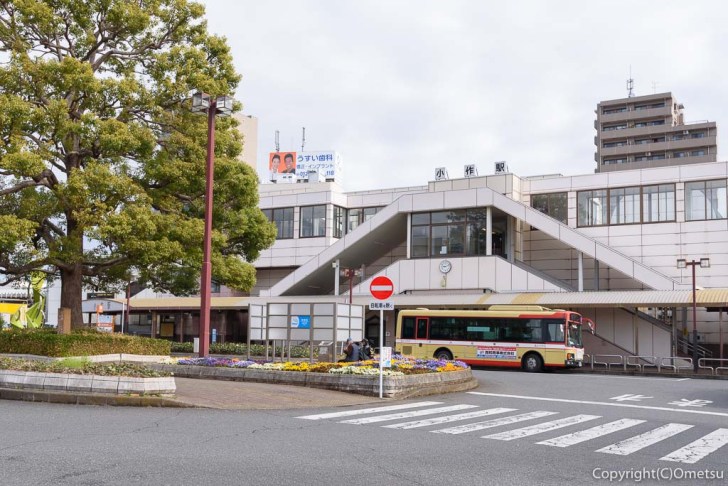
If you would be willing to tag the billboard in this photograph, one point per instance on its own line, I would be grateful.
(282, 163)
(326, 165)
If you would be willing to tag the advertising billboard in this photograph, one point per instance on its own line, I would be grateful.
(326, 165)
(282, 162)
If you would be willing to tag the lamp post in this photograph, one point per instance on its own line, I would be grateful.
(222, 105)
(703, 263)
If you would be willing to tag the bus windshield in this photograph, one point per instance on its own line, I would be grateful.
(574, 335)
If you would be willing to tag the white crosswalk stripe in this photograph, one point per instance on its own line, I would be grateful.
(541, 428)
(363, 411)
(462, 429)
(448, 418)
(402, 415)
(688, 454)
(592, 433)
(641, 441)
(697, 450)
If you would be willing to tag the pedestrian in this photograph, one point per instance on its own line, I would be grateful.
(351, 350)
(365, 350)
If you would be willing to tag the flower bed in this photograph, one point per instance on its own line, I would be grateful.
(401, 365)
(82, 368)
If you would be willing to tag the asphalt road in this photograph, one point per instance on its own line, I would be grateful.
(516, 428)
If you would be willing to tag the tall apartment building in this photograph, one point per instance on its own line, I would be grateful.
(248, 127)
(650, 131)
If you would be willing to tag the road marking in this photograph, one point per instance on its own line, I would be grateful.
(541, 428)
(401, 415)
(629, 398)
(449, 418)
(608, 404)
(593, 433)
(641, 441)
(462, 429)
(697, 450)
(362, 411)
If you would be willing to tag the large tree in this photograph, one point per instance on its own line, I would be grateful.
(102, 164)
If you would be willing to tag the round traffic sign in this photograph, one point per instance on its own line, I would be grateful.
(381, 288)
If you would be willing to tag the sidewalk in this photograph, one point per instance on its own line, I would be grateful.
(237, 395)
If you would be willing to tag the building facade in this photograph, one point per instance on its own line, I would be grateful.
(604, 244)
(650, 131)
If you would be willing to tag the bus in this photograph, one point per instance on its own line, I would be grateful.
(526, 336)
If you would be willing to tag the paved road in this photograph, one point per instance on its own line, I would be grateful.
(516, 428)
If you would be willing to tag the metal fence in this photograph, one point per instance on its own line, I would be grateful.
(670, 364)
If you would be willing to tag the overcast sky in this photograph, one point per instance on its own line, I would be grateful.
(400, 87)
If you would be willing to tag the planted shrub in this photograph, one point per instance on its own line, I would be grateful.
(242, 349)
(44, 342)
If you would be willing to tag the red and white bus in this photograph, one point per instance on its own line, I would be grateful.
(527, 336)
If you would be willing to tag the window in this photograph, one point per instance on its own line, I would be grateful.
(456, 232)
(697, 153)
(698, 135)
(339, 228)
(679, 155)
(705, 200)
(621, 143)
(357, 216)
(614, 127)
(214, 287)
(624, 205)
(592, 208)
(658, 203)
(555, 205)
(283, 219)
(609, 111)
(313, 221)
(614, 161)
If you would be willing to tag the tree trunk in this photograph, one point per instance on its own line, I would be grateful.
(71, 291)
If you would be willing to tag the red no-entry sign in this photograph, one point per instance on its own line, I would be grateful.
(381, 288)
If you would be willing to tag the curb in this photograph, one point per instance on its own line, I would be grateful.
(396, 387)
(89, 399)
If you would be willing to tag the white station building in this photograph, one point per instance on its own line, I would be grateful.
(608, 245)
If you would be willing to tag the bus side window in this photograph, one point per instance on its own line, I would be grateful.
(421, 328)
(408, 328)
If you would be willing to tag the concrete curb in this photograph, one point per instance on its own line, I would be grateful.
(89, 398)
(393, 386)
(68, 382)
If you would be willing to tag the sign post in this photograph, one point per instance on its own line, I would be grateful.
(381, 289)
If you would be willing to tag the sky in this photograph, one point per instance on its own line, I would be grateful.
(401, 87)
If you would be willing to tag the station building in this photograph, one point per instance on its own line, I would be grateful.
(607, 245)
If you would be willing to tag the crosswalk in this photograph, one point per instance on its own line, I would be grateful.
(436, 416)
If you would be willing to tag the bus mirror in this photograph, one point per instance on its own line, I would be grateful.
(592, 326)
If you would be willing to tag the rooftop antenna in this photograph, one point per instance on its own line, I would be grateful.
(303, 139)
(654, 87)
(630, 85)
(278, 145)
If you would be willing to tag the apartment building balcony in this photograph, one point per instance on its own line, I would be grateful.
(647, 164)
(666, 146)
(631, 115)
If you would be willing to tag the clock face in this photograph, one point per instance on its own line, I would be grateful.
(445, 266)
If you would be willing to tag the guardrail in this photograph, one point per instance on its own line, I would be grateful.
(674, 364)
(714, 370)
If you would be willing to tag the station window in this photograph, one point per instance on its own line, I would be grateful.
(283, 219)
(705, 200)
(313, 221)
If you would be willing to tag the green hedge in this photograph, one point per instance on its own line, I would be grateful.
(44, 342)
(242, 349)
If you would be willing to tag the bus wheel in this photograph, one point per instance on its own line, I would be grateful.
(532, 363)
(443, 354)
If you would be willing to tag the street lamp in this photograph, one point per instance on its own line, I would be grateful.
(703, 263)
(222, 105)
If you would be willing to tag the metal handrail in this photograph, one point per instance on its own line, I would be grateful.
(607, 364)
(650, 362)
(702, 364)
(675, 367)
